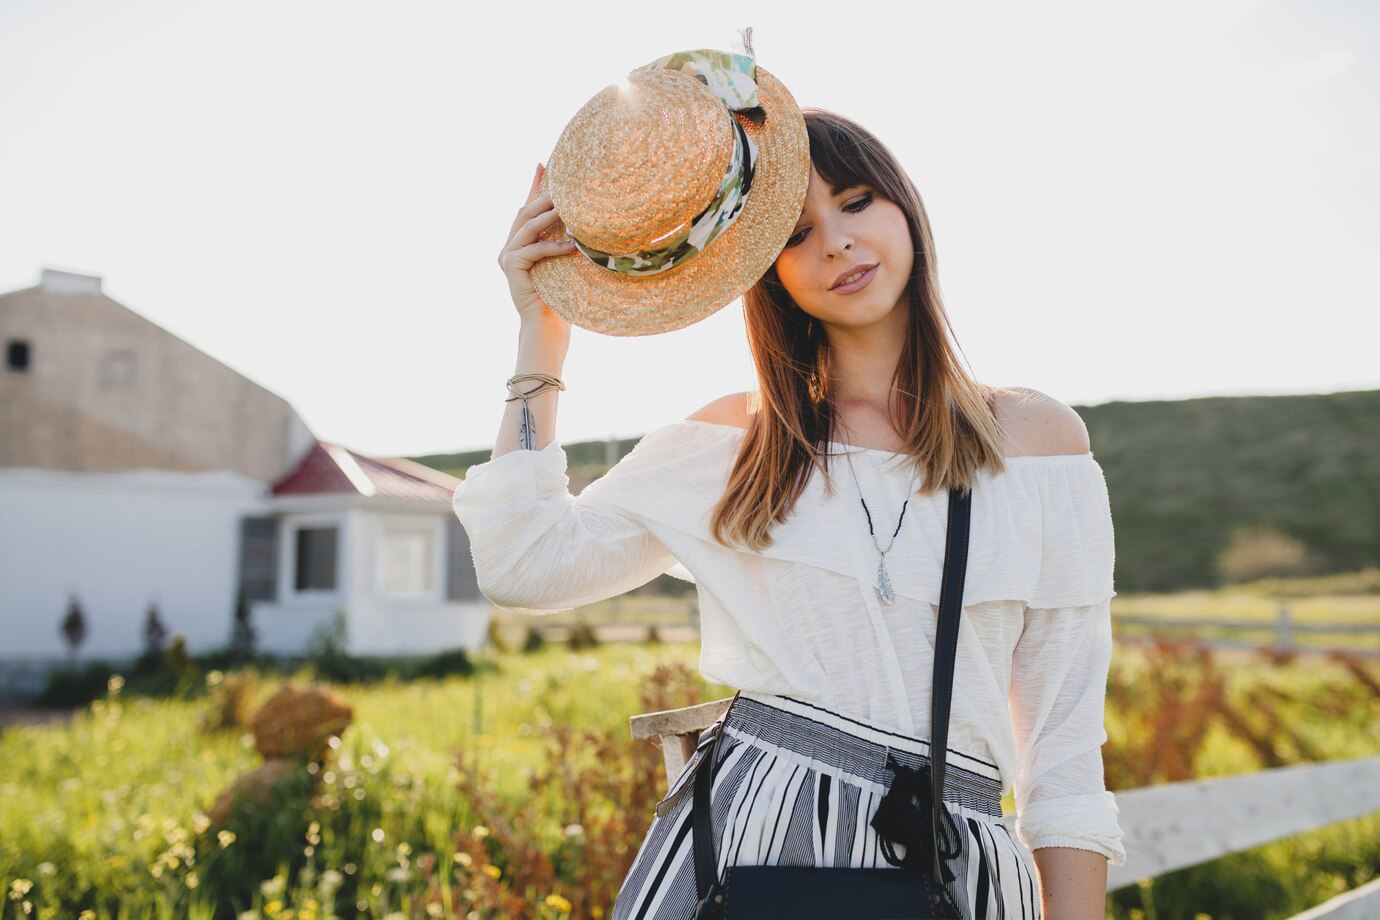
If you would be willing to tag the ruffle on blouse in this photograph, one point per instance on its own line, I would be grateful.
(1041, 532)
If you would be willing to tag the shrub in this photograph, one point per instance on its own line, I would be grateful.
(232, 698)
(69, 687)
(449, 663)
(1260, 551)
(582, 636)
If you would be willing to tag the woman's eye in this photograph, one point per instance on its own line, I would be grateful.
(854, 207)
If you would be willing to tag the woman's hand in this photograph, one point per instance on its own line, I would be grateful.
(523, 250)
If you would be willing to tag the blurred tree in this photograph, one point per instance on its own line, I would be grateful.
(242, 635)
(73, 629)
(155, 635)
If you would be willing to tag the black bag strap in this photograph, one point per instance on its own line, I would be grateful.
(945, 656)
(945, 652)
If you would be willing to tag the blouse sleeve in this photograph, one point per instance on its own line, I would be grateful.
(1058, 697)
(1060, 663)
(537, 549)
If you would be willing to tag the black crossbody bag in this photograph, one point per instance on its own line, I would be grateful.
(906, 814)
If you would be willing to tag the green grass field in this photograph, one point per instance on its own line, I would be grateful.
(108, 813)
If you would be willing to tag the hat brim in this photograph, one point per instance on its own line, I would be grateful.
(602, 300)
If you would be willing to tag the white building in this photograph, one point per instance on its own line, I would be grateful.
(136, 469)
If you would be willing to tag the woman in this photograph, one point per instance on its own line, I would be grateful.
(822, 608)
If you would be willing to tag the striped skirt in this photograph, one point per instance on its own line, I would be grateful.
(797, 785)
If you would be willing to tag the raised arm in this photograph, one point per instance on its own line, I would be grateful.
(543, 335)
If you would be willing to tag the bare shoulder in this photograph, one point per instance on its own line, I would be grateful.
(1039, 425)
(733, 409)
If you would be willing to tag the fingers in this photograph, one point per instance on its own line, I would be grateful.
(524, 248)
(524, 257)
(531, 221)
(533, 206)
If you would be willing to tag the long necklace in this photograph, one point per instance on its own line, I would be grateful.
(883, 585)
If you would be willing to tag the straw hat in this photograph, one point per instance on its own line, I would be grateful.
(680, 188)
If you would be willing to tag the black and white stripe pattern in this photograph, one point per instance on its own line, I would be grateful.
(797, 785)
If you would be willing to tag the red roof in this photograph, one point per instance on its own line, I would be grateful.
(332, 468)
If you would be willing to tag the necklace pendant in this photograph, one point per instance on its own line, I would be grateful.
(884, 583)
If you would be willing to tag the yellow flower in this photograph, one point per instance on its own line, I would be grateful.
(558, 902)
(225, 838)
(491, 870)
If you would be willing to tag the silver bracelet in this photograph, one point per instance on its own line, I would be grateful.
(527, 427)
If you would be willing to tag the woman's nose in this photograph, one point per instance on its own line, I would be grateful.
(838, 248)
(837, 240)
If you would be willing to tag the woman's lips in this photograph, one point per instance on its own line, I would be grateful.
(856, 285)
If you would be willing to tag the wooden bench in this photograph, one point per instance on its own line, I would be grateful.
(1169, 826)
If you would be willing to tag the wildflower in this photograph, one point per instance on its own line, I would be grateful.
(464, 859)
(192, 880)
(574, 830)
(225, 838)
(200, 823)
(558, 902)
(377, 835)
(331, 879)
(492, 871)
(47, 869)
(481, 831)
(20, 887)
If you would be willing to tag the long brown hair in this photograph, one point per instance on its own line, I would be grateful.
(947, 417)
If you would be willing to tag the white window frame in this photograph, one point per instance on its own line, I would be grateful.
(433, 531)
(287, 557)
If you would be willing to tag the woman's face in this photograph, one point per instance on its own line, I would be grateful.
(839, 234)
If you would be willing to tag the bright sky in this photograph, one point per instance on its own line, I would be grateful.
(1130, 201)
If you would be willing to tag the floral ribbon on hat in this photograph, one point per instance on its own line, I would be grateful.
(732, 78)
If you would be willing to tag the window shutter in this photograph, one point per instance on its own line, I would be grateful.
(461, 582)
(259, 558)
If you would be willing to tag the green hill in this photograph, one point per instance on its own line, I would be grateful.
(1184, 474)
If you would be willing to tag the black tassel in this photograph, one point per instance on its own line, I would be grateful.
(903, 817)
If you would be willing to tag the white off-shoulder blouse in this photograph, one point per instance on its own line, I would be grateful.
(801, 618)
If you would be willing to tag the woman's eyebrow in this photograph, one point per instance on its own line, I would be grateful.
(836, 190)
